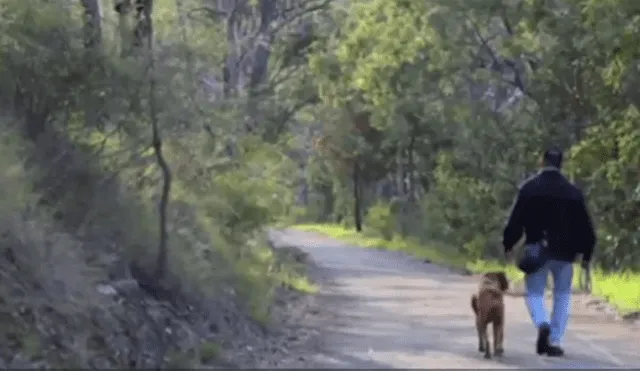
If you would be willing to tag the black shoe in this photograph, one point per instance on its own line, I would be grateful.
(542, 345)
(554, 351)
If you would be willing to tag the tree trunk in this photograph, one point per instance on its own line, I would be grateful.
(143, 34)
(399, 175)
(92, 24)
(183, 24)
(123, 8)
(357, 216)
(231, 70)
(260, 60)
(328, 202)
(411, 168)
(145, 28)
(93, 48)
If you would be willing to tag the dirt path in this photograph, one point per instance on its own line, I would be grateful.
(381, 309)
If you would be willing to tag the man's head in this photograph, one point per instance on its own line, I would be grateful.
(552, 158)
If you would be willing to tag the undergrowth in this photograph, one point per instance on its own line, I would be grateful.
(82, 133)
(52, 265)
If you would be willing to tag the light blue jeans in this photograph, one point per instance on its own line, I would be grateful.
(562, 273)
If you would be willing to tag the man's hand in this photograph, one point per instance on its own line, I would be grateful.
(585, 265)
(585, 276)
(508, 256)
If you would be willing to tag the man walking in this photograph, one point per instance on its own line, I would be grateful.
(552, 212)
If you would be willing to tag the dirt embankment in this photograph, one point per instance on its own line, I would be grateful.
(58, 318)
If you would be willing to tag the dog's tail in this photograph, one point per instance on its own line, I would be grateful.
(474, 303)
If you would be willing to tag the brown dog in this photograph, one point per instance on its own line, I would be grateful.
(488, 305)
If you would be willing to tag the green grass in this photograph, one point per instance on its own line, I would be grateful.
(298, 280)
(620, 289)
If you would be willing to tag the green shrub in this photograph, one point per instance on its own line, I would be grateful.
(462, 211)
(80, 194)
(218, 218)
(381, 220)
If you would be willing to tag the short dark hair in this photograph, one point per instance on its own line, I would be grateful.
(553, 157)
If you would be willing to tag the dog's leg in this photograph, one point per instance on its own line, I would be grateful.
(487, 347)
(498, 336)
(481, 334)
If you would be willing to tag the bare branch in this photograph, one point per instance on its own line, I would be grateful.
(498, 64)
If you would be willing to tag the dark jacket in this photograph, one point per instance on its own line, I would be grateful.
(549, 207)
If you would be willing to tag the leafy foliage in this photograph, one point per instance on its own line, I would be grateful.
(466, 96)
(127, 154)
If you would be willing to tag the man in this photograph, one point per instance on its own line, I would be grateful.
(549, 209)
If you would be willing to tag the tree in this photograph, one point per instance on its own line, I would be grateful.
(469, 96)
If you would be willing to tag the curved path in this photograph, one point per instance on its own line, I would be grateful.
(381, 309)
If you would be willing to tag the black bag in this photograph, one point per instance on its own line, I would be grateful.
(535, 257)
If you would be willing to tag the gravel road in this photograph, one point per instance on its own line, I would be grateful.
(381, 309)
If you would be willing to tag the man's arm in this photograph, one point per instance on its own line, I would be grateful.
(514, 229)
(585, 228)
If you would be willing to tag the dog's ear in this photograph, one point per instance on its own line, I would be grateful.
(504, 283)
